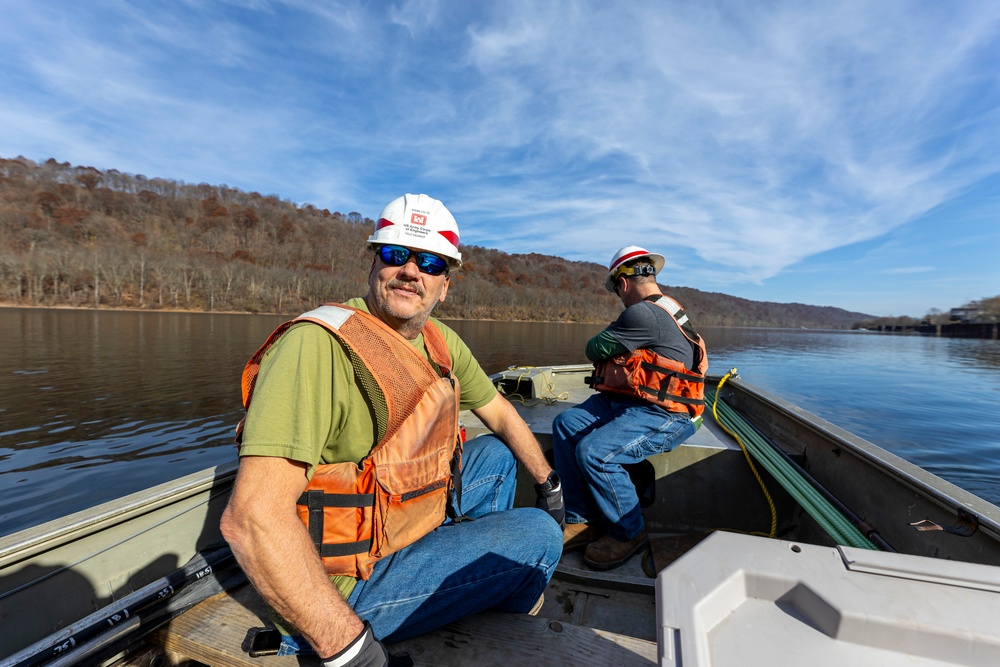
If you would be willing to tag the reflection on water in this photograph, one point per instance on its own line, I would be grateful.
(499, 345)
(95, 405)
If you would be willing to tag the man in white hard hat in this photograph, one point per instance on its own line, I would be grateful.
(357, 513)
(649, 369)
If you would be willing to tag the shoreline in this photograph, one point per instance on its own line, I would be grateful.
(183, 311)
(188, 311)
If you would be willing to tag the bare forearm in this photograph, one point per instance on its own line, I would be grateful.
(292, 580)
(273, 548)
(527, 450)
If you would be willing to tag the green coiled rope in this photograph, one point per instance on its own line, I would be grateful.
(819, 508)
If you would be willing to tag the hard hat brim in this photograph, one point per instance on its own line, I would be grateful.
(656, 259)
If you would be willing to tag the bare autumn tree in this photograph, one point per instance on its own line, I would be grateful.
(89, 177)
(137, 266)
(117, 275)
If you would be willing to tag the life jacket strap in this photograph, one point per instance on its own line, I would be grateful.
(348, 549)
(661, 394)
(454, 506)
(316, 500)
(666, 371)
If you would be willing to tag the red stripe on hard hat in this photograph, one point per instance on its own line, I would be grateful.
(451, 236)
(382, 222)
(637, 253)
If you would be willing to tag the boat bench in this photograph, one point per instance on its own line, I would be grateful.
(213, 632)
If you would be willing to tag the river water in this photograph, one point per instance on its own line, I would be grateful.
(98, 404)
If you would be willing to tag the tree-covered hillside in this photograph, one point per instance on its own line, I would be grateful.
(79, 236)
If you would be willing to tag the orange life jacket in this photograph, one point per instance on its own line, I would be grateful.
(400, 493)
(655, 378)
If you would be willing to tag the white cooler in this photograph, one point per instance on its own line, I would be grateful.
(744, 601)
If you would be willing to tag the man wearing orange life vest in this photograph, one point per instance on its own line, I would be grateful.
(349, 513)
(649, 368)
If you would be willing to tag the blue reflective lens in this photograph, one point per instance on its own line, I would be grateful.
(397, 255)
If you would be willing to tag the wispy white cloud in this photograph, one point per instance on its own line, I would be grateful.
(905, 270)
(740, 140)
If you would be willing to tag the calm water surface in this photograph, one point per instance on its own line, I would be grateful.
(96, 405)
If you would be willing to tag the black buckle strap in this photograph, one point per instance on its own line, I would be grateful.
(316, 501)
(454, 507)
(662, 394)
(346, 549)
(666, 371)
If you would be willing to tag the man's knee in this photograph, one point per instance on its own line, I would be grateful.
(544, 530)
(591, 454)
(535, 531)
(559, 428)
(569, 423)
(488, 450)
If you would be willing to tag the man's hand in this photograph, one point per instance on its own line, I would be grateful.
(363, 651)
(366, 651)
(550, 498)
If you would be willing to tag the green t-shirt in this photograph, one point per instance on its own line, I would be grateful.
(307, 406)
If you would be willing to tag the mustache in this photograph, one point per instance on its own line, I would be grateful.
(411, 286)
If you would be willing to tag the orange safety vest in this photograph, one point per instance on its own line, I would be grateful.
(655, 378)
(400, 493)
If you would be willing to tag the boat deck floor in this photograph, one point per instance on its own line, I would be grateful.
(607, 619)
(588, 617)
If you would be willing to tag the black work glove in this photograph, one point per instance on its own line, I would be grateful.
(550, 498)
(366, 651)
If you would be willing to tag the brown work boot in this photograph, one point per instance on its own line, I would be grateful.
(608, 552)
(577, 535)
(538, 605)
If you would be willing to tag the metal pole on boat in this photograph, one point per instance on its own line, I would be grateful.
(869, 531)
(117, 623)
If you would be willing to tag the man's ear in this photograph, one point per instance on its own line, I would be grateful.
(444, 292)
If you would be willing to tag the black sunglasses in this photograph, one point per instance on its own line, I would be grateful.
(397, 255)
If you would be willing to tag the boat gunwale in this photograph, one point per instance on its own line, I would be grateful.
(920, 480)
(30, 542)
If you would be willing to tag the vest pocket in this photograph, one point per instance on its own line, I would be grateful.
(410, 501)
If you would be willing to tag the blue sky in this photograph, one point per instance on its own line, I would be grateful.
(831, 153)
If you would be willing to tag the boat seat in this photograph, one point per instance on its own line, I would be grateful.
(213, 632)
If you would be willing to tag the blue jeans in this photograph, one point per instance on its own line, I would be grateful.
(591, 442)
(502, 559)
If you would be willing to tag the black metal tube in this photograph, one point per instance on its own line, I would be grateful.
(155, 593)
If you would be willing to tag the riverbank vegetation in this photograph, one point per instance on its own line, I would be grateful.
(82, 237)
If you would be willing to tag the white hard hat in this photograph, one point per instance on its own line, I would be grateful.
(628, 254)
(419, 222)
